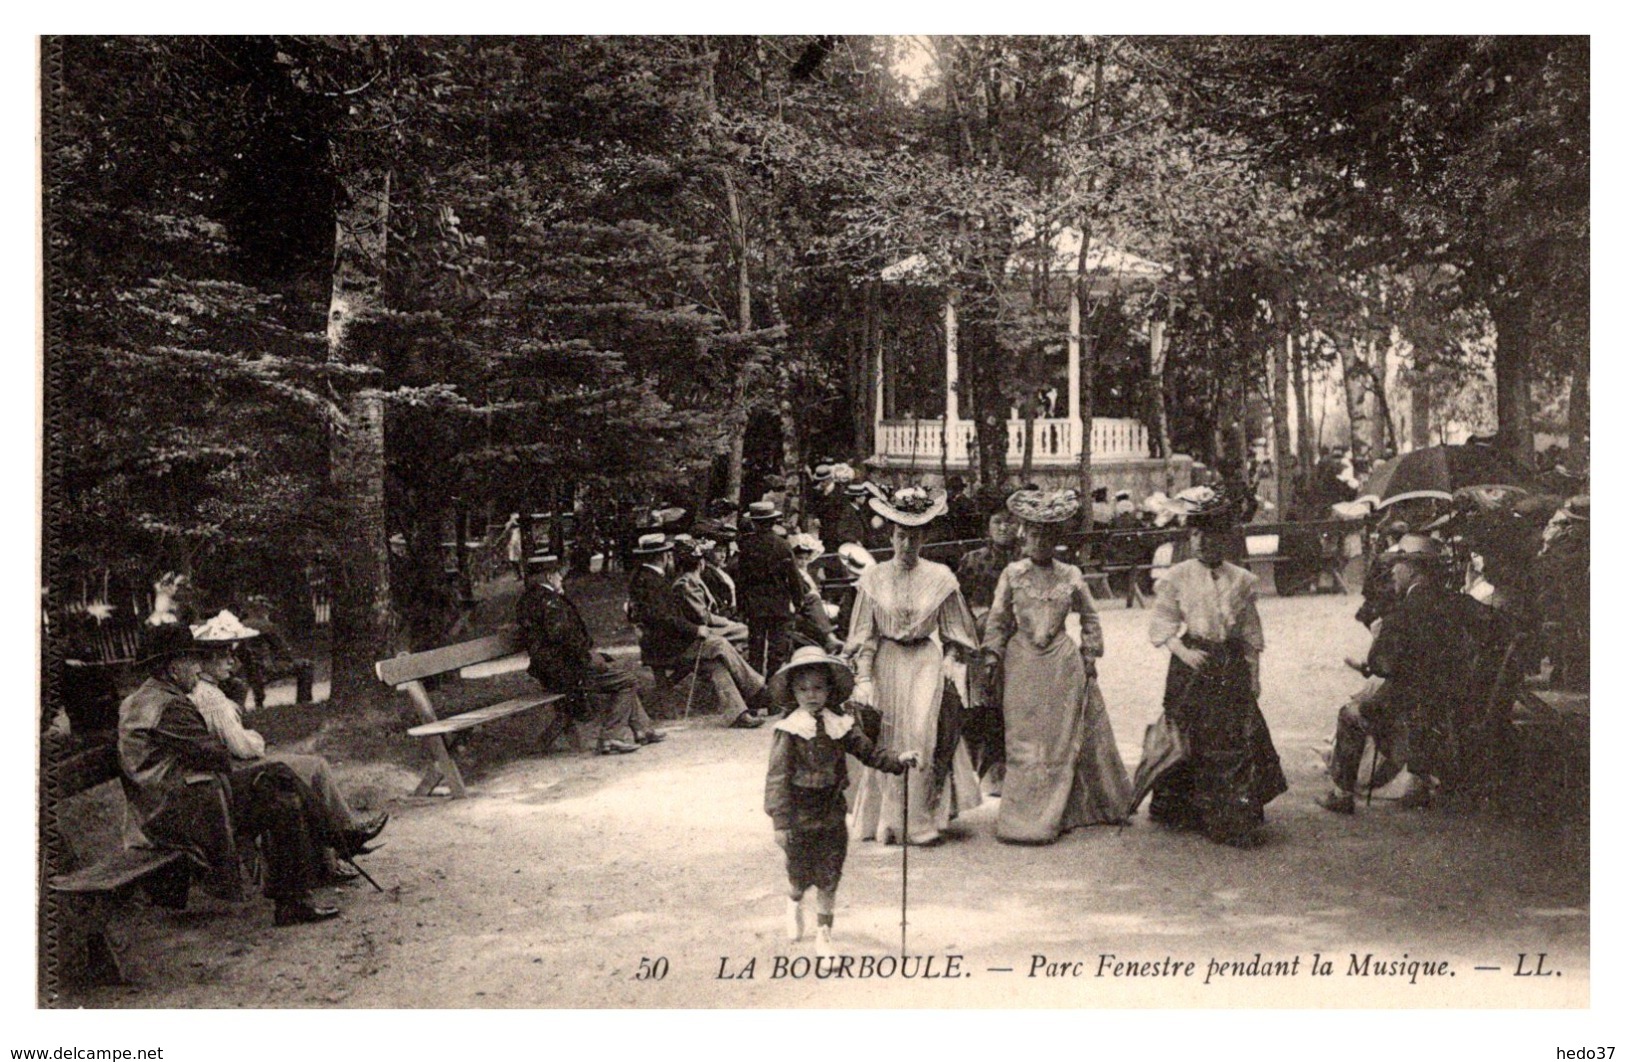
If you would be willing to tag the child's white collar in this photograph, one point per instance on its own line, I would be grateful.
(802, 724)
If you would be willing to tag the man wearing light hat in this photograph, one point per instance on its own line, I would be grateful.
(668, 636)
(562, 659)
(1424, 651)
(164, 745)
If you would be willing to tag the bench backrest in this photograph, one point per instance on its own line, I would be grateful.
(399, 670)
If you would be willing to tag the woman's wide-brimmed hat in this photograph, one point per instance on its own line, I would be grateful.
(841, 677)
(1207, 508)
(1044, 506)
(911, 506)
(165, 640)
(222, 629)
(651, 544)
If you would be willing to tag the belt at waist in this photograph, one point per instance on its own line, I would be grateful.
(1211, 645)
(906, 641)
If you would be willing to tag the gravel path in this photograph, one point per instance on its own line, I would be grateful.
(563, 873)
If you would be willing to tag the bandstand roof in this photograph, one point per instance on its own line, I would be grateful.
(1112, 269)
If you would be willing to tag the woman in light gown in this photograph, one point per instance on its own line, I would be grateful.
(908, 611)
(1062, 768)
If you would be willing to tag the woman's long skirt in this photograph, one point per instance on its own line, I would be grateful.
(908, 695)
(1232, 769)
(1062, 767)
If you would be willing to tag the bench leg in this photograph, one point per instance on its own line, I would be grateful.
(443, 768)
(1266, 580)
(85, 956)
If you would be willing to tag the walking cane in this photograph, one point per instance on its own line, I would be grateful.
(907, 844)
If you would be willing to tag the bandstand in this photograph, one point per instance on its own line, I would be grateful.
(911, 447)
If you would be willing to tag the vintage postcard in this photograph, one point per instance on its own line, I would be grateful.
(815, 521)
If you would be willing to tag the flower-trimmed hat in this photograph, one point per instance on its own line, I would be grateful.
(222, 629)
(1043, 506)
(1207, 508)
(911, 506)
(841, 677)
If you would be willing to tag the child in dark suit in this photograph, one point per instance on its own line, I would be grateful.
(806, 780)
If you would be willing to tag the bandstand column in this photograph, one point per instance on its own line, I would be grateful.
(950, 408)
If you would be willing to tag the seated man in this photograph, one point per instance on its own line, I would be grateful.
(1423, 652)
(348, 833)
(700, 603)
(669, 636)
(562, 659)
(163, 740)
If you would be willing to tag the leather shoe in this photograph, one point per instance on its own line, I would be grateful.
(1419, 795)
(747, 721)
(299, 912)
(357, 838)
(335, 876)
(615, 747)
(651, 737)
(1341, 803)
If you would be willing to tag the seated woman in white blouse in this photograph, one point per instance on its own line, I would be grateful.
(348, 833)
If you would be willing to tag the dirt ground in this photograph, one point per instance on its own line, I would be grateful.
(564, 873)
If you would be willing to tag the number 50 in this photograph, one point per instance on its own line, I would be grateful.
(651, 969)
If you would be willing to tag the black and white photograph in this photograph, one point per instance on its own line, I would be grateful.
(797, 522)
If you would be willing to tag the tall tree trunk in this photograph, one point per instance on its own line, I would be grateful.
(365, 626)
(1352, 395)
(979, 350)
(1307, 455)
(1421, 411)
(1513, 315)
(1086, 340)
(790, 435)
(1383, 436)
(1281, 411)
(1580, 412)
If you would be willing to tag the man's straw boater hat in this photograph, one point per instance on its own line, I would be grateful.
(763, 510)
(648, 545)
(841, 678)
(1415, 548)
(911, 506)
(542, 562)
(1043, 506)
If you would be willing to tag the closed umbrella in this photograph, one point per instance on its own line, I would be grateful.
(1164, 749)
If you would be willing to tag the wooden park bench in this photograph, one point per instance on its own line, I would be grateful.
(81, 902)
(483, 657)
(1326, 563)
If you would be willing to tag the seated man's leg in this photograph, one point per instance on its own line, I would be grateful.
(317, 773)
(270, 802)
(733, 680)
(1348, 746)
(618, 711)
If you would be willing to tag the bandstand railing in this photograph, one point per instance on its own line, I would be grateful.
(921, 440)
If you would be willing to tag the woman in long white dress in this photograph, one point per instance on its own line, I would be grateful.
(1062, 766)
(908, 611)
